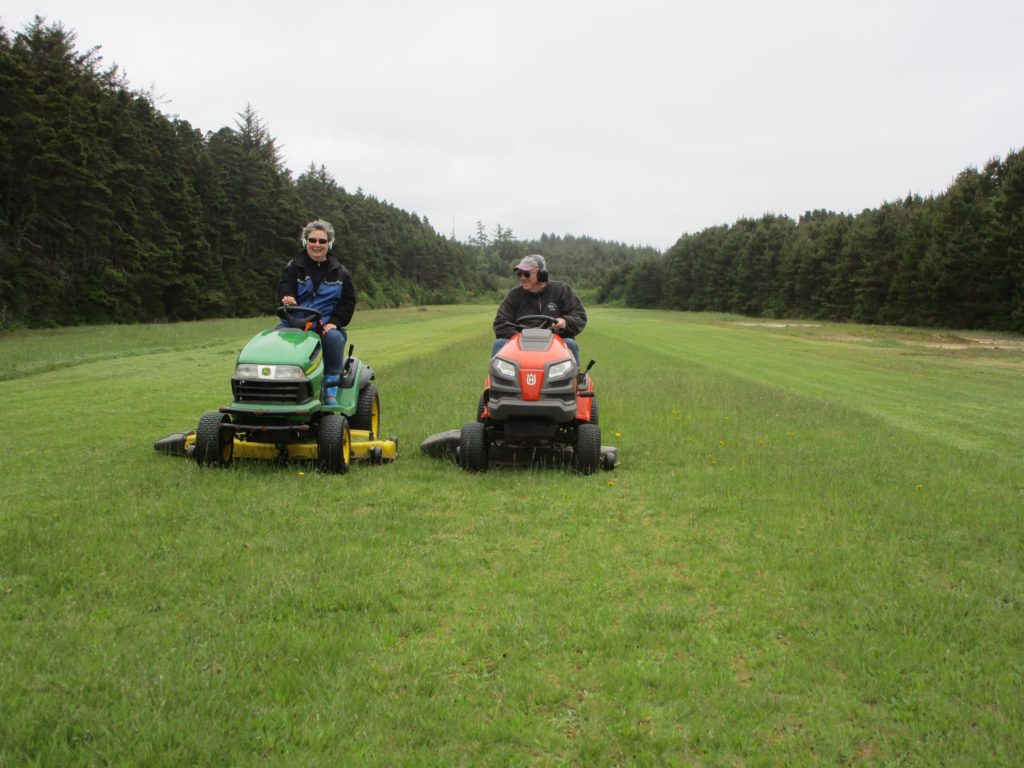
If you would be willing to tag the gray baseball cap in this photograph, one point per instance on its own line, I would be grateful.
(531, 262)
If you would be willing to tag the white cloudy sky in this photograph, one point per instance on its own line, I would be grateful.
(634, 121)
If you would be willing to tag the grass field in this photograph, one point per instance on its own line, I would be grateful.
(812, 553)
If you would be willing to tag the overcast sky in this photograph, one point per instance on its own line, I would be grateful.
(635, 121)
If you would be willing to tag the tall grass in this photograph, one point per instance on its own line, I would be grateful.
(811, 553)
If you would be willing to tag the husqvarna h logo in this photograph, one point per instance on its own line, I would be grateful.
(531, 379)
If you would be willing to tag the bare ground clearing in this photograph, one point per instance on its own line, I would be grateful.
(922, 338)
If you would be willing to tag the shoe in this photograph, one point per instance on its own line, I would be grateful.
(330, 392)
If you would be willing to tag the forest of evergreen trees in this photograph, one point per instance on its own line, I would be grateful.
(111, 211)
(114, 212)
(955, 261)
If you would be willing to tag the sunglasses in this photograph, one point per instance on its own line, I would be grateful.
(317, 240)
(523, 273)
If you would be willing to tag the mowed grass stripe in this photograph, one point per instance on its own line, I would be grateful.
(960, 399)
(770, 577)
(30, 352)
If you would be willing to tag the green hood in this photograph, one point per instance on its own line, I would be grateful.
(283, 347)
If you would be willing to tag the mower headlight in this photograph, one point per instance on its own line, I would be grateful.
(250, 371)
(560, 370)
(503, 368)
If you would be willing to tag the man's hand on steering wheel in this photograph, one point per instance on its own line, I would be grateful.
(546, 321)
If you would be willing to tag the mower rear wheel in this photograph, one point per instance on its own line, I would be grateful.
(593, 410)
(334, 444)
(473, 447)
(367, 415)
(215, 445)
(588, 448)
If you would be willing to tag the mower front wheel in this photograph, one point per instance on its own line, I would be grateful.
(334, 444)
(473, 447)
(588, 448)
(215, 445)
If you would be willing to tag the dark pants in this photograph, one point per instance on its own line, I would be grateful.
(333, 342)
(334, 352)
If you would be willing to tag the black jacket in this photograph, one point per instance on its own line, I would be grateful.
(557, 299)
(325, 286)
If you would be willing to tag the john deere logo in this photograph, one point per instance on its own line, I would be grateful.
(531, 379)
(264, 371)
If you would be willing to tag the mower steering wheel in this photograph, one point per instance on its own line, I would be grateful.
(298, 317)
(549, 322)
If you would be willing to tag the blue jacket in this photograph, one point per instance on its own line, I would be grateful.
(325, 286)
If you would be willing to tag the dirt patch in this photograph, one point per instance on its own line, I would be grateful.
(780, 325)
(909, 337)
(846, 337)
(972, 342)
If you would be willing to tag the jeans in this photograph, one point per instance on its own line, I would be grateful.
(333, 343)
(570, 343)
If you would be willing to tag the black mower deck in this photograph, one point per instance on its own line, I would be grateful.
(444, 445)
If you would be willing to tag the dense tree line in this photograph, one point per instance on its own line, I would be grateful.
(112, 211)
(584, 262)
(954, 260)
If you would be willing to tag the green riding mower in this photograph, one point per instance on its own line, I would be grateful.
(278, 409)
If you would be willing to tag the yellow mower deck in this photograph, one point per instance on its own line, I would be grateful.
(362, 448)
